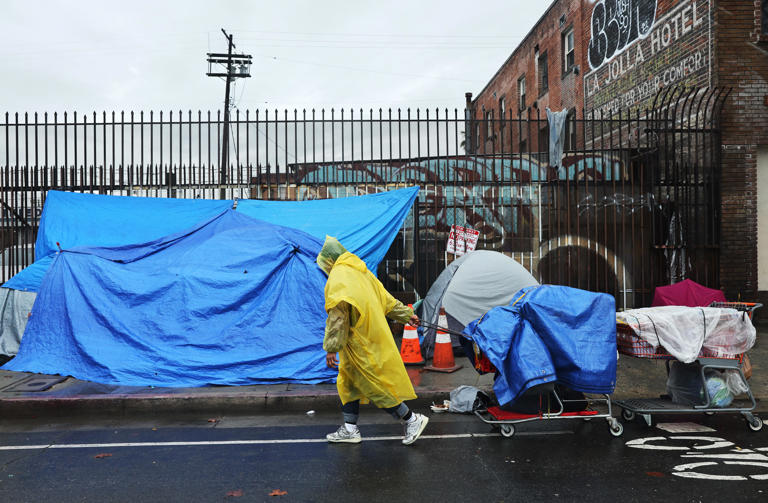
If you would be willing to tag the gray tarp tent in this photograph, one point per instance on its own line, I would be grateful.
(15, 306)
(469, 287)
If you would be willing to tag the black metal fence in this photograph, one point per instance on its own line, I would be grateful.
(633, 204)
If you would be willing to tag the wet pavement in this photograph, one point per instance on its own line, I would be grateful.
(636, 378)
(284, 457)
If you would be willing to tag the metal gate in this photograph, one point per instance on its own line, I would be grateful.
(634, 203)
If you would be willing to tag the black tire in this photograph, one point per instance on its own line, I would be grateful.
(628, 415)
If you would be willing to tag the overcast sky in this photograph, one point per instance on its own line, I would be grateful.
(94, 55)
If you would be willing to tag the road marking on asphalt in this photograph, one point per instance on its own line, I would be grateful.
(261, 442)
(644, 443)
(744, 454)
(686, 471)
(680, 471)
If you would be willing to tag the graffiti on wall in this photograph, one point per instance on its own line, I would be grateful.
(519, 206)
(616, 24)
(636, 49)
(500, 197)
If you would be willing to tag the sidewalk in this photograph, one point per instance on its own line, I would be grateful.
(72, 396)
(635, 378)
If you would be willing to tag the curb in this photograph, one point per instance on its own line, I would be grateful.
(197, 403)
(212, 404)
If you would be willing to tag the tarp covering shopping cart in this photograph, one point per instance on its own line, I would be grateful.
(548, 334)
(684, 332)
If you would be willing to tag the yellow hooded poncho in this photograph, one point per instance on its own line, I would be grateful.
(370, 368)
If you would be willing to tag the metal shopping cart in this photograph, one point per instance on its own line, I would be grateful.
(554, 402)
(631, 344)
(506, 420)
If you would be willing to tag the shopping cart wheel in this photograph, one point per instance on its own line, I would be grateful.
(627, 414)
(507, 430)
(755, 424)
(616, 428)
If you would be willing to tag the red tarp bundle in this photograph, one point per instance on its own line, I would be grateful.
(686, 293)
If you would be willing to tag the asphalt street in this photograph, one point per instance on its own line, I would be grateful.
(284, 457)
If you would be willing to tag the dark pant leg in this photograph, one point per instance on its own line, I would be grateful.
(351, 411)
(400, 411)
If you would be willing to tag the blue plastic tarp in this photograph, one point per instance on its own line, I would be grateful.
(550, 333)
(74, 219)
(366, 224)
(232, 301)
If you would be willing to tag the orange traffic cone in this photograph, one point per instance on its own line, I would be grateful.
(410, 349)
(442, 360)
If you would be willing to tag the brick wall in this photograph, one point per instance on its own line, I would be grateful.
(691, 43)
(614, 69)
(565, 89)
(665, 43)
(742, 63)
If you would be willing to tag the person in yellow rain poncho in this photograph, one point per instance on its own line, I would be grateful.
(370, 368)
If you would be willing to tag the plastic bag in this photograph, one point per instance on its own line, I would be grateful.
(684, 383)
(733, 333)
(467, 399)
(717, 389)
(735, 383)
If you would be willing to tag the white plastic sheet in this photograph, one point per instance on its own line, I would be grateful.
(15, 306)
(684, 331)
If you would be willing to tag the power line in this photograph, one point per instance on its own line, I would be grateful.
(236, 66)
(366, 70)
(369, 34)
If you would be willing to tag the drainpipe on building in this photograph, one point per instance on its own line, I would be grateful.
(468, 147)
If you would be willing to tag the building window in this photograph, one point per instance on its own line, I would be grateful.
(764, 11)
(521, 92)
(543, 74)
(502, 112)
(569, 56)
(488, 125)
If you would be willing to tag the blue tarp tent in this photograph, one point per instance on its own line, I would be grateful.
(550, 333)
(230, 300)
(74, 219)
(365, 224)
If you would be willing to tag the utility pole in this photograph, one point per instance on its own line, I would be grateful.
(237, 66)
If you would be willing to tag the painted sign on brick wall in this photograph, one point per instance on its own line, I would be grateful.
(637, 47)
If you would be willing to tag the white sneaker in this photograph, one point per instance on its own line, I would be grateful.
(414, 428)
(344, 435)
